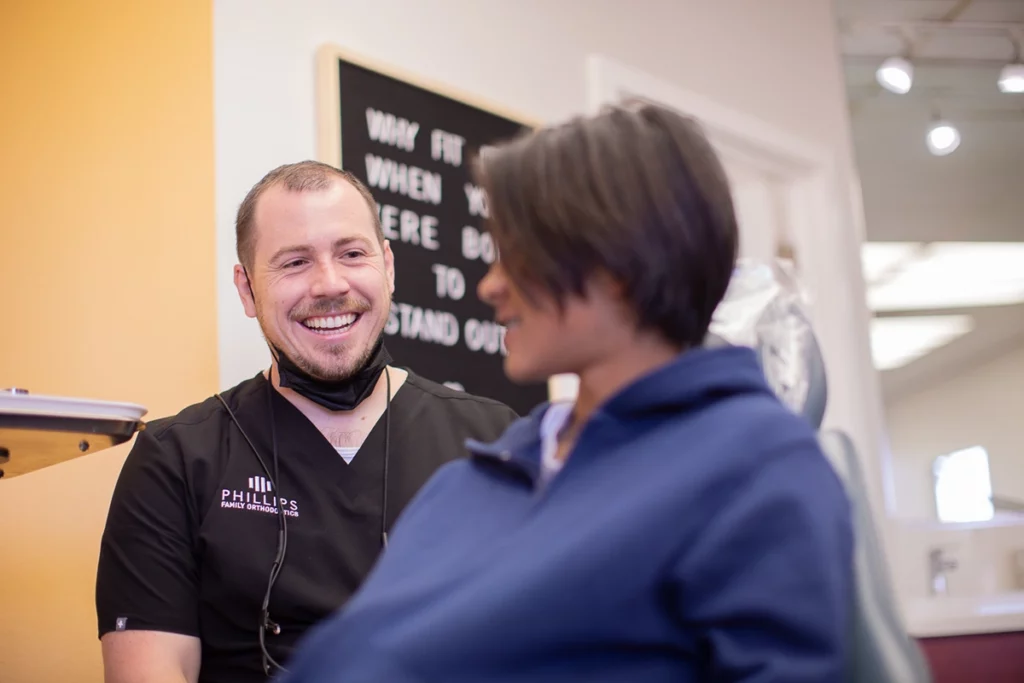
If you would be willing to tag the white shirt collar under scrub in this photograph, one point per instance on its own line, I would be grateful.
(555, 418)
(347, 453)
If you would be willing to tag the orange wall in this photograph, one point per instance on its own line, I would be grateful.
(107, 285)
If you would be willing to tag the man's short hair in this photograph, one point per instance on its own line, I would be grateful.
(636, 192)
(304, 176)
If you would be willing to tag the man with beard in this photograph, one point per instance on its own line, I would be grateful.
(242, 521)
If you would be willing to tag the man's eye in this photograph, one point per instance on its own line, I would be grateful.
(295, 263)
(353, 254)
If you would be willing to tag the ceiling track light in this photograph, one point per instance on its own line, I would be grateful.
(896, 74)
(1011, 78)
(943, 138)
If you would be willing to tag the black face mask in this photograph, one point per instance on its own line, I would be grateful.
(345, 394)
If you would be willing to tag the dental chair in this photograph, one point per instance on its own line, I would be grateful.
(779, 331)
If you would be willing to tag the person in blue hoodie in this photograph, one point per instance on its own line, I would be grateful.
(675, 522)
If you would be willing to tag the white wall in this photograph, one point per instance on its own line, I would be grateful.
(983, 406)
(980, 406)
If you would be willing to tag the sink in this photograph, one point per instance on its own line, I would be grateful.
(982, 592)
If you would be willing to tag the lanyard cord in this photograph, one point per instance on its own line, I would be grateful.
(266, 624)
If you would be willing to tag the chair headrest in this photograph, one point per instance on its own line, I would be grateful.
(765, 309)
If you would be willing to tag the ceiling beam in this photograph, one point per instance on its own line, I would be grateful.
(1005, 28)
(873, 58)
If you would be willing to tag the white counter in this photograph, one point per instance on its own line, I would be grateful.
(953, 616)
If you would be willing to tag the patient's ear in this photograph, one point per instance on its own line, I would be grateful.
(609, 293)
(606, 287)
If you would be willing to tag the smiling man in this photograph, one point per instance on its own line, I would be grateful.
(241, 522)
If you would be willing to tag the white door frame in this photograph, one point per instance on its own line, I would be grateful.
(736, 136)
(825, 228)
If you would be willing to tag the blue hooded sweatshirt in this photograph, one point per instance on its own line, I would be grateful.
(695, 533)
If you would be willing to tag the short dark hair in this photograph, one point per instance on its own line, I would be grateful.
(304, 176)
(635, 191)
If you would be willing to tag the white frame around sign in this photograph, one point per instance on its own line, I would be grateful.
(328, 100)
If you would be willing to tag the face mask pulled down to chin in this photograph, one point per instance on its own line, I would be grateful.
(337, 395)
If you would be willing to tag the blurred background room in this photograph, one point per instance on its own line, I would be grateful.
(937, 118)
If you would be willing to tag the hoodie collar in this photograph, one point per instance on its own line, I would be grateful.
(518, 449)
(696, 377)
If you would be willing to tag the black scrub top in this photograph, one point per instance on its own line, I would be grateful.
(192, 529)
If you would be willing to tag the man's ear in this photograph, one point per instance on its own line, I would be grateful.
(389, 266)
(244, 288)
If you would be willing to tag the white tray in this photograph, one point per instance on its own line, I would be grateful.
(60, 406)
(38, 431)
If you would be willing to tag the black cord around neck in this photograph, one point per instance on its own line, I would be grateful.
(387, 453)
(266, 624)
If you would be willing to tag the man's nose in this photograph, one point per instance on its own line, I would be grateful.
(330, 279)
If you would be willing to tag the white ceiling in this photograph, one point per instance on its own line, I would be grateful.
(975, 194)
(955, 31)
